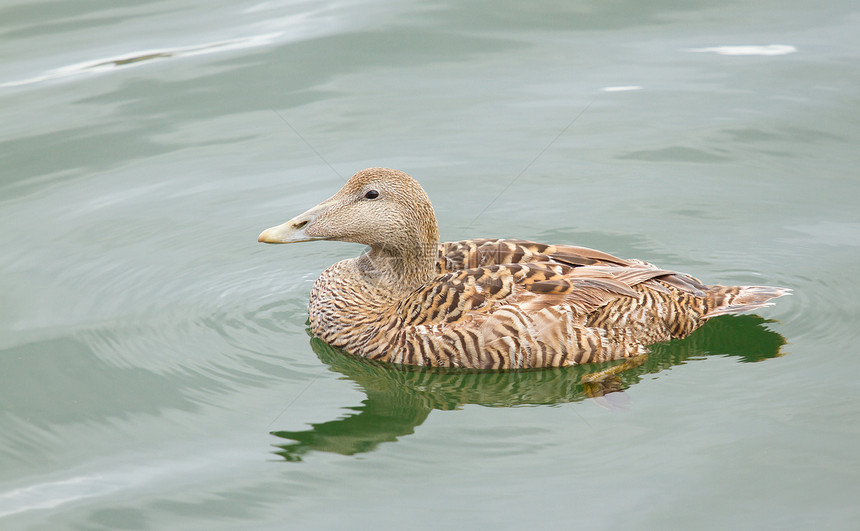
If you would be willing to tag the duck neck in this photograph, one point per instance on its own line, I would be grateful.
(398, 269)
(402, 260)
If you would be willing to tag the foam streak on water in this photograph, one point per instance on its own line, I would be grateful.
(768, 50)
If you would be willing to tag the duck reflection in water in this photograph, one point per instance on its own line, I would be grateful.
(399, 398)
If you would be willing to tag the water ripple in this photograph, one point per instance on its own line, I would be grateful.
(228, 330)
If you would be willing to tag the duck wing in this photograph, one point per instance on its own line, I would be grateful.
(454, 256)
(467, 254)
(467, 293)
(514, 316)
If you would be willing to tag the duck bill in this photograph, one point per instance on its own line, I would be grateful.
(293, 231)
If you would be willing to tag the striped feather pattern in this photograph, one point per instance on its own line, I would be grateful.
(534, 312)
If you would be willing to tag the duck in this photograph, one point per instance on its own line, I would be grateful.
(496, 304)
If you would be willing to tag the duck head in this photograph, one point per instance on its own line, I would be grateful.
(383, 208)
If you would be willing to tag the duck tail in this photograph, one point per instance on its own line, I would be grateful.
(723, 300)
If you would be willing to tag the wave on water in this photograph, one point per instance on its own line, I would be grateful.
(145, 56)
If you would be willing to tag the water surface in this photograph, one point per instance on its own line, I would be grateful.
(155, 370)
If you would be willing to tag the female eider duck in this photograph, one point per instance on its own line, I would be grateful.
(486, 304)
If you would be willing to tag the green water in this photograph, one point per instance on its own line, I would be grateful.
(155, 370)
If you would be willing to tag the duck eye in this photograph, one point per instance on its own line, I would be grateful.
(371, 194)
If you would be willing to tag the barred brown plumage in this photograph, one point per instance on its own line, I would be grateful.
(486, 303)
